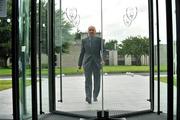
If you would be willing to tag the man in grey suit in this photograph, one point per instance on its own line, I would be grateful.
(90, 58)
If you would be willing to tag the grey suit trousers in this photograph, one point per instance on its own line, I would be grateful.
(95, 71)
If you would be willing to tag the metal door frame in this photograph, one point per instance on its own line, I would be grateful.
(15, 54)
(15, 58)
(178, 56)
(52, 99)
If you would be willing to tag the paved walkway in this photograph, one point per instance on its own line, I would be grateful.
(121, 93)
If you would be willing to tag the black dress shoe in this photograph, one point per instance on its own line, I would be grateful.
(88, 100)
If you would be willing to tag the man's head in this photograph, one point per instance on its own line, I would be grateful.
(91, 31)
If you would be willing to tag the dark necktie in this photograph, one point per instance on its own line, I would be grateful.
(90, 41)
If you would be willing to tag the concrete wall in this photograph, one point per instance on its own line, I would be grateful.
(71, 59)
(113, 57)
(163, 54)
(128, 60)
(144, 60)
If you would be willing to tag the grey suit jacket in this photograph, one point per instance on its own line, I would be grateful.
(90, 52)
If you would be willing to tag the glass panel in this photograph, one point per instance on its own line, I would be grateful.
(174, 58)
(24, 60)
(126, 70)
(5, 65)
(43, 56)
(163, 58)
(76, 18)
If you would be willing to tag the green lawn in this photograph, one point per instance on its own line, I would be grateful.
(113, 69)
(6, 84)
(107, 69)
(5, 71)
(164, 80)
(123, 69)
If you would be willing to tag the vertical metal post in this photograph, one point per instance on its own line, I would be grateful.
(151, 42)
(15, 58)
(23, 81)
(33, 60)
(158, 59)
(169, 58)
(102, 49)
(52, 102)
(39, 51)
(23, 72)
(178, 57)
(61, 47)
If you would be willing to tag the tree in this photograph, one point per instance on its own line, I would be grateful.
(135, 46)
(111, 45)
(5, 36)
(66, 37)
(77, 35)
(66, 27)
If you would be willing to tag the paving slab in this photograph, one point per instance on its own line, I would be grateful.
(121, 93)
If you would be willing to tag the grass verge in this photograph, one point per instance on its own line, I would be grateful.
(164, 80)
(6, 84)
(107, 69)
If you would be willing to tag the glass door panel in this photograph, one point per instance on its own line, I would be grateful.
(174, 58)
(24, 60)
(162, 61)
(43, 57)
(70, 82)
(6, 64)
(126, 69)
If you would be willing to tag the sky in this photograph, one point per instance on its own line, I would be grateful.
(114, 13)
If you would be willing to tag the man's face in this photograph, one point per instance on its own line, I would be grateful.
(91, 31)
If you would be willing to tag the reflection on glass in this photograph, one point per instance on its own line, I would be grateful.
(6, 63)
(43, 56)
(24, 60)
(174, 59)
(163, 59)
